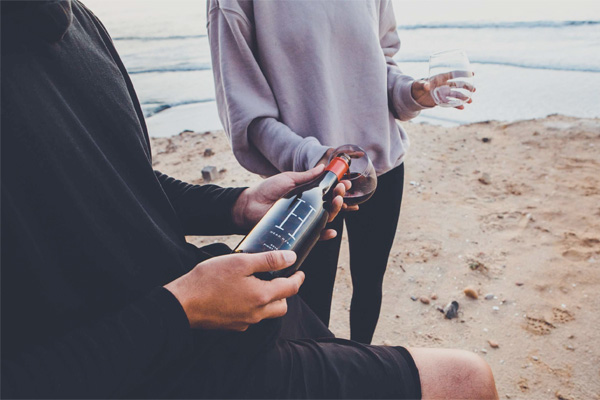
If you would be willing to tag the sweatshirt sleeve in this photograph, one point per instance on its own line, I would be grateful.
(202, 209)
(106, 359)
(402, 104)
(248, 110)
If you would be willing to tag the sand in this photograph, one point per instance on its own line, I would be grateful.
(509, 210)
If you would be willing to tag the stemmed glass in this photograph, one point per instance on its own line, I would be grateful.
(361, 174)
(451, 78)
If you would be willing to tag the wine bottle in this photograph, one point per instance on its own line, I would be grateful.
(296, 220)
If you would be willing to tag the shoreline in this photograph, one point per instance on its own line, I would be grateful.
(510, 210)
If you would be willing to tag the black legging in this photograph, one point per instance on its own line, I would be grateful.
(371, 232)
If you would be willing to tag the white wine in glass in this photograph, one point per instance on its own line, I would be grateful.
(451, 78)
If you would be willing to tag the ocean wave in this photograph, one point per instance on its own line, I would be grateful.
(152, 38)
(417, 59)
(503, 25)
(441, 25)
(150, 111)
(203, 67)
(574, 68)
(571, 68)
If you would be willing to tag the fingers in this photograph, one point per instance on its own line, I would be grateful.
(305, 176)
(275, 309)
(340, 188)
(336, 206)
(328, 234)
(353, 207)
(267, 261)
(282, 288)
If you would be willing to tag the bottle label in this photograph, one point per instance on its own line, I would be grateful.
(298, 215)
(285, 223)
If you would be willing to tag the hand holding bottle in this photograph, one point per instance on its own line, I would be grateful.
(296, 221)
(255, 201)
(223, 293)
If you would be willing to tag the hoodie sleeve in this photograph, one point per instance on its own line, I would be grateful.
(402, 104)
(106, 359)
(202, 209)
(247, 107)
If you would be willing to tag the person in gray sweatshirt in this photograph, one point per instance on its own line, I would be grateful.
(295, 79)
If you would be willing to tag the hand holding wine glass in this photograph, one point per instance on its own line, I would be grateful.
(361, 174)
(450, 80)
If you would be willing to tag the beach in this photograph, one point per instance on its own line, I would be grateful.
(508, 211)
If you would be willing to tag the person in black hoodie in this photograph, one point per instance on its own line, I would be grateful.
(102, 297)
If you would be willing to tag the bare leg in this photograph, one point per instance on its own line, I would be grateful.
(453, 374)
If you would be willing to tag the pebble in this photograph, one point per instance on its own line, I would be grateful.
(433, 296)
(209, 173)
(519, 283)
(387, 343)
(496, 308)
(493, 344)
(486, 140)
(489, 296)
(424, 300)
(470, 292)
(569, 347)
(534, 358)
(414, 298)
(451, 310)
(484, 351)
(485, 178)
(208, 152)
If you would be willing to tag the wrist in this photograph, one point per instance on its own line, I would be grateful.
(176, 289)
(238, 209)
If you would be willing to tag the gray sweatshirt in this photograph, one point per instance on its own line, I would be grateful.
(294, 78)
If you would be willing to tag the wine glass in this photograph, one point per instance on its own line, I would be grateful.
(361, 174)
(451, 78)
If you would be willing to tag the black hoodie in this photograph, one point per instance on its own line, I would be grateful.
(90, 233)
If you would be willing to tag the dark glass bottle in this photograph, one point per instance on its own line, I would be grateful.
(296, 220)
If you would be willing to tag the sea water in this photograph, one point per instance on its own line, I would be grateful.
(531, 58)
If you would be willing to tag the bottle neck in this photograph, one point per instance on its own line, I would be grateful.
(333, 173)
(328, 181)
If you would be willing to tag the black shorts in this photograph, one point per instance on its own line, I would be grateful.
(291, 357)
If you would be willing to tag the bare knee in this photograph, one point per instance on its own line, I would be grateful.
(477, 375)
(454, 374)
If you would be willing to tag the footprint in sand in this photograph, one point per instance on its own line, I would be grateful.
(540, 326)
(560, 315)
(523, 385)
(579, 249)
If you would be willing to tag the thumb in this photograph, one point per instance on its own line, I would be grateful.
(426, 86)
(422, 85)
(271, 260)
(305, 176)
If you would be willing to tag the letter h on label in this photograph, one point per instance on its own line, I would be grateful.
(292, 213)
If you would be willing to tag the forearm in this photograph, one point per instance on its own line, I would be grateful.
(202, 209)
(285, 149)
(402, 104)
